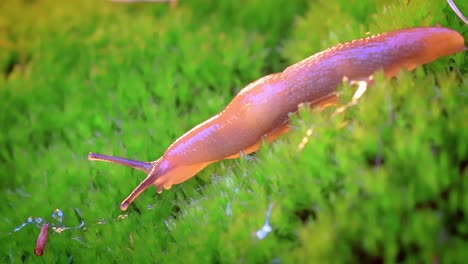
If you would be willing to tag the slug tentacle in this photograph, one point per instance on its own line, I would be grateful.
(159, 168)
(147, 182)
(260, 111)
(136, 164)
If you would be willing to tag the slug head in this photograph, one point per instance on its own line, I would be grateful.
(148, 167)
(162, 173)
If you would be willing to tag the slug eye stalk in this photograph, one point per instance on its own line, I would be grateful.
(136, 164)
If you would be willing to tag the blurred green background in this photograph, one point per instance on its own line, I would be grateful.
(384, 182)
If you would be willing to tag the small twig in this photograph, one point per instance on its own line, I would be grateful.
(305, 139)
(41, 240)
(457, 11)
(362, 88)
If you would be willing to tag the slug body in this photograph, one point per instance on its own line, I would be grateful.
(260, 111)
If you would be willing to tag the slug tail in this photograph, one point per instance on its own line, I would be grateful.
(139, 165)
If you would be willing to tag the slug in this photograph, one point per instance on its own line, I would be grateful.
(41, 240)
(259, 112)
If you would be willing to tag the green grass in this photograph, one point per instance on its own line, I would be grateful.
(384, 182)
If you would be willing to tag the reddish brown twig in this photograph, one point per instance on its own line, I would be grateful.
(41, 240)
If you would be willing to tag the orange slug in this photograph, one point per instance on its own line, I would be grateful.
(260, 111)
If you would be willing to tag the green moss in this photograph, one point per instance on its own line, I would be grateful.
(383, 181)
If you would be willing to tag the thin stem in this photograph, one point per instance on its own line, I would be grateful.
(457, 11)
